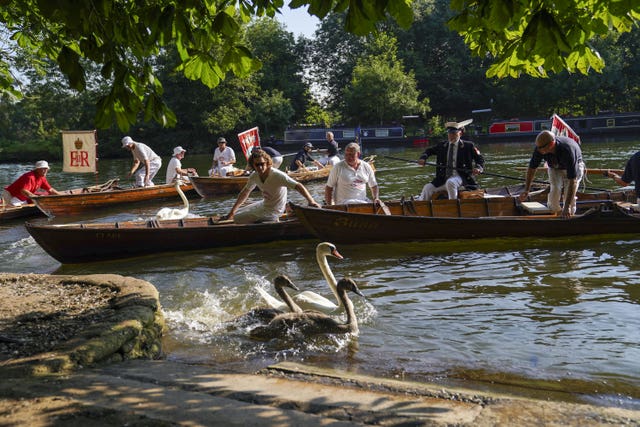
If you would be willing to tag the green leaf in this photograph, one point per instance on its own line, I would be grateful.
(69, 62)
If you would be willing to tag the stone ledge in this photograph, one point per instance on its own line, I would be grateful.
(131, 327)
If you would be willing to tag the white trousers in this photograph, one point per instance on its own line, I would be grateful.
(9, 200)
(255, 212)
(154, 167)
(451, 185)
(559, 187)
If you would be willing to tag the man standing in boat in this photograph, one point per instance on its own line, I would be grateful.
(332, 151)
(566, 169)
(348, 180)
(274, 184)
(146, 163)
(25, 187)
(455, 160)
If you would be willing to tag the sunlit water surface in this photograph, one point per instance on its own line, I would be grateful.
(534, 316)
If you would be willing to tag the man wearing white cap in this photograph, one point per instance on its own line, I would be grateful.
(25, 187)
(455, 160)
(142, 155)
(174, 169)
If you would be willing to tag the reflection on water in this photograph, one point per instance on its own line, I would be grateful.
(545, 315)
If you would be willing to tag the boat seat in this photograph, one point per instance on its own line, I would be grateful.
(463, 193)
(535, 208)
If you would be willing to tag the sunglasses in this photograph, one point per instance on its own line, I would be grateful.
(259, 164)
(542, 147)
(453, 130)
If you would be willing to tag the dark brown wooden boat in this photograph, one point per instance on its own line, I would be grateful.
(81, 200)
(217, 185)
(463, 219)
(13, 212)
(208, 186)
(90, 242)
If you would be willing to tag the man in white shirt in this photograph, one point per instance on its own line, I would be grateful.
(223, 159)
(274, 184)
(348, 179)
(146, 163)
(174, 169)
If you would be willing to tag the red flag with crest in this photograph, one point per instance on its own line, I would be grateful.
(249, 139)
(559, 127)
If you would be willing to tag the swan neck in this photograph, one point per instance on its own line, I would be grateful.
(182, 196)
(352, 320)
(328, 274)
(293, 307)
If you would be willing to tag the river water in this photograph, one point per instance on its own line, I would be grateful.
(542, 317)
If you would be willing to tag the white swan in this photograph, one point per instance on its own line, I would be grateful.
(309, 300)
(175, 213)
(308, 323)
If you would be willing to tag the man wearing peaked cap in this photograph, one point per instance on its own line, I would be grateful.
(302, 157)
(457, 162)
(146, 163)
(174, 168)
(26, 186)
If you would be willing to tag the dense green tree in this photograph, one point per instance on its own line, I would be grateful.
(381, 91)
(332, 57)
(272, 111)
(123, 36)
(445, 71)
(282, 63)
(538, 37)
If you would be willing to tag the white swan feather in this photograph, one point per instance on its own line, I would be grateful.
(309, 300)
(175, 213)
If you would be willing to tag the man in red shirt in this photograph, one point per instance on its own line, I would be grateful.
(25, 187)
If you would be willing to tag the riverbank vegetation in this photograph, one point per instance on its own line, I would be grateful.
(336, 77)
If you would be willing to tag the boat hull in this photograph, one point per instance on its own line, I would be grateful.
(79, 243)
(13, 212)
(78, 202)
(495, 219)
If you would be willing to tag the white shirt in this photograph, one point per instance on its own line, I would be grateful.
(174, 165)
(143, 152)
(349, 183)
(227, 155)
(274, 189)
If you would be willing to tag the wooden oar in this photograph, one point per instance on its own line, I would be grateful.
(589, 171)
(537, 181)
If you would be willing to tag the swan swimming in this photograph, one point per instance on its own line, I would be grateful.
(264, 315)
(308, 323)
(309, 300)
(175, 213)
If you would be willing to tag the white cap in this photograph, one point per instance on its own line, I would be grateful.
(177, 150)
(42, 164)
(127, 141)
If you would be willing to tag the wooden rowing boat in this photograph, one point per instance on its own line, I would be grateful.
(90, 242)
(208, 186)
(13, 212)
(217, 185)
(462, 219)
(81, 200)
